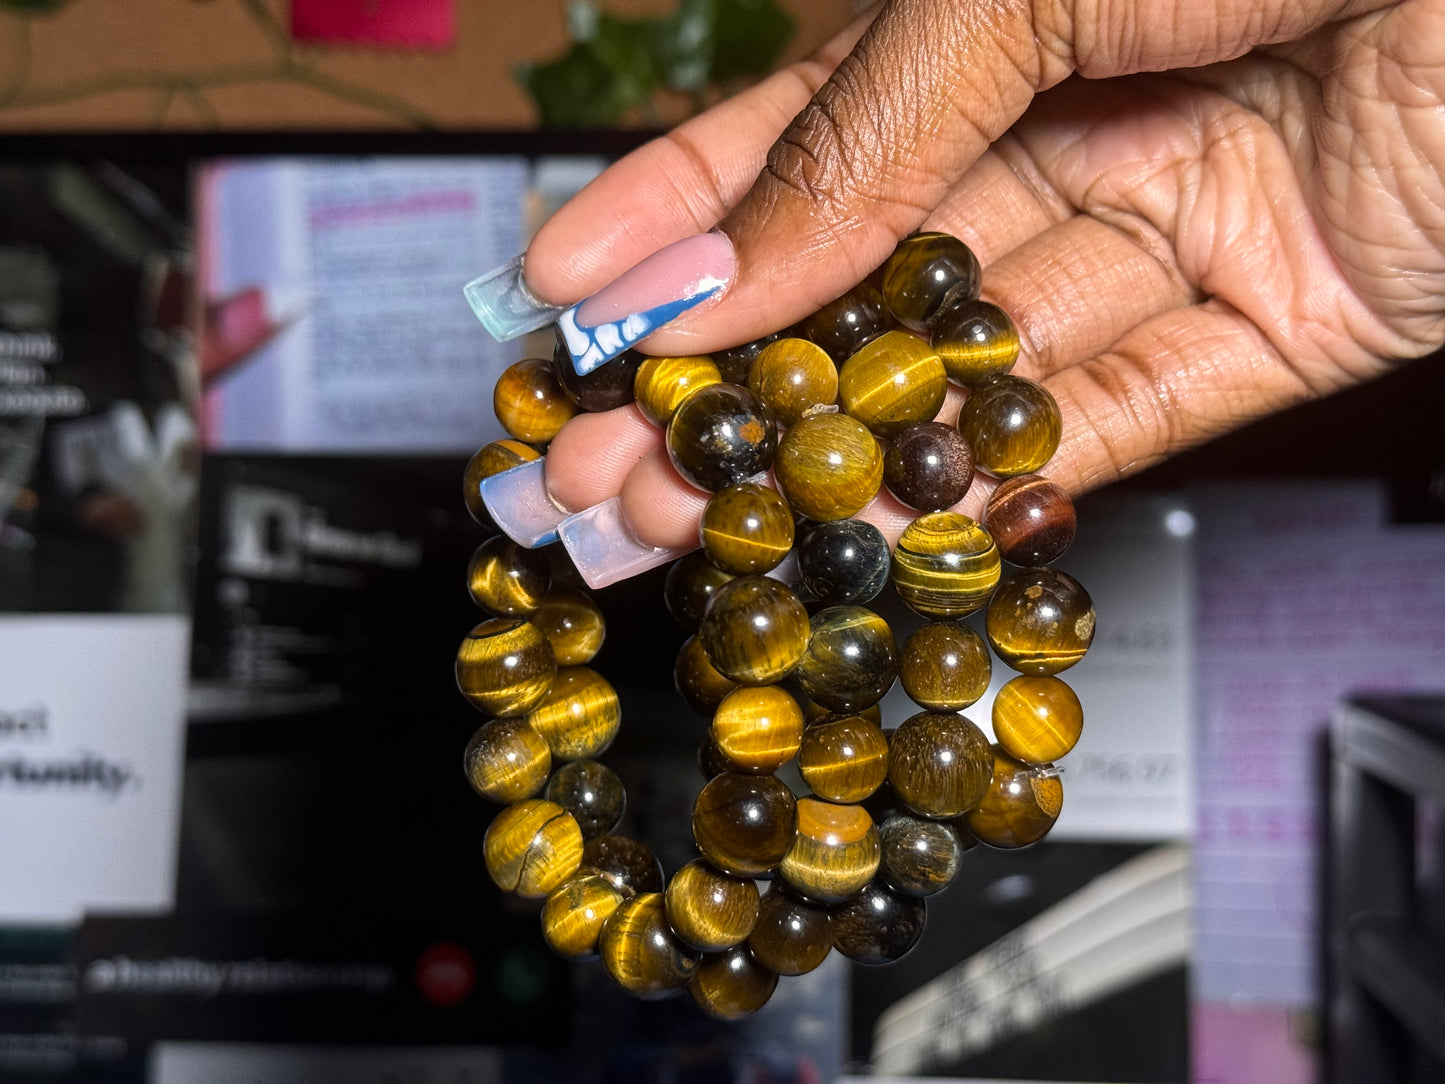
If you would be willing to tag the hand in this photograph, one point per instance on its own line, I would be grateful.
(1260, 221)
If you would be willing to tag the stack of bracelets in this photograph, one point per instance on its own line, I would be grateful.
(853, 390)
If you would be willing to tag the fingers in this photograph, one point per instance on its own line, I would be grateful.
(594, 453)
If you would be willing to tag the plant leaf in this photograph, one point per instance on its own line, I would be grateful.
(748, 36)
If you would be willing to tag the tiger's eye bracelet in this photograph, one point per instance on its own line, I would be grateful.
(836, 408)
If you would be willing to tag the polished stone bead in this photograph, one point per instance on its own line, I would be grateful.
(945, 565)
(506, 578)
(507, 760)
(816, 713)
(496, 457)
(893, 382)
(791, 936)
(642, 953)
(829, 466)
(721, 434)
(592, 793)
(1021, 804)
(975, 340)
(530, 403)
(1040, 621)
(575, 912)
(532, 847)
(1037, 719)
(689, 586)
(834, 853)
(662, 383)
(927, 273)
(945, 666)
(606, 387)
(878, 925)
(844, 561)
(747, 528)
(794, 376)
(1032, 519)
(758, 728)
(938, 763)
(709, 910)
(918, 856)
(628, 863)
(505, 666)
(847, 323)
(731, 985)
(743, 824)
(736, 362)
(697, 680)
(844, 759)
(579, 716)
(1012, 424)
(711, 760)
(851, 660)
(755, 630)
(573, 625)
(928, 466)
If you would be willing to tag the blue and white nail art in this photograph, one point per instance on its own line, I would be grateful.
(594, 346)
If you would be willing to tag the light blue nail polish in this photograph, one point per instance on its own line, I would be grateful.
(594, 346)
(603, 549)
(518, 503)
(504, 304)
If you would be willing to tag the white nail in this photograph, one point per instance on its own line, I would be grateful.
(518, 503)
(603, 549)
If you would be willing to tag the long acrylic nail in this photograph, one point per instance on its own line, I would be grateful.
(518, 503)
(658, 290)
(505, 304)
(602, 547)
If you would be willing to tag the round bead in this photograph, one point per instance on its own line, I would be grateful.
(792, 377)
(928, 272)
(663, 383)
(791, 936)
(1040, 621)
(834, 852)
(496, 457)
(845, 561)
(1037, 719)
(758, 728)
(721, 434)
(697, 680)
(573, 625)
(532, 847)
(530, 403)
(1032, 519)
(709, 910)
(507, 579)
(938, 764)
(507, 760)
(689, 587)
(743, 824)
(844, 759)
(845, 324)
(606, 387)
(829, 466)
(731, 985)
(755, 630)
(747, 528)
(1012, 424)
(877, 926)
(629, 864)
(928, 466)
(592, 793)
(575, 912)
(1021, 804)
(642, 953)
(505, 666)
(918, 856)
(736, 362)
(975, 340)
(580, 716)
(711, 760)
(893, 382)
(945, 666)
(851, 659)
(816, 713)
(945, 565)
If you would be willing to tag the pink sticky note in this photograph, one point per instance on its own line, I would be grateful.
(410, 24)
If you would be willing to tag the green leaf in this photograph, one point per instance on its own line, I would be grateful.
(748, 36)
(577, 90)
(685, 46)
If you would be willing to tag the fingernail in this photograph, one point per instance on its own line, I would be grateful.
(518, 503)
(505, 304)
(602, 547)
(658, 290)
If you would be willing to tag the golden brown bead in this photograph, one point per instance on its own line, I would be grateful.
(793, 376)
(689, 587)
(928, 272)
(939, 764)
(829, 466)
(575, 912)
(662, 384)
(945, 565)
(591, 792)
(580, 716)
(505, 666)
(1037, 719)
(642, 953)
(755, 630)
(1031, 519)
(894, 382)
(697, 680)
(530, 403)
(945, 666)
(919, 856)
(1020, 806)
(743, 824)
(816, 713)
(731, 985)
(709, 910)
(1040, 621)
(721, 434)
(843, 325)
(758, 728)
(878, 925)
(496, 457)
(976, 340)
(747, 528)
(791, 936)
(506, 578)
(1013, 425)
(628, 863)
(573, 625)
(507, 760)
(532, 847)
(851, 660)
(844, 759)
(835, 851)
